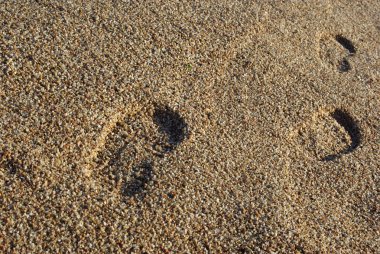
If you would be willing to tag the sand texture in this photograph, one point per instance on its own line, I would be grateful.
(189, 126)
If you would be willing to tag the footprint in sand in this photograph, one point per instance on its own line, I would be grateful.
(126, 162)
(329, 135)
(335, 51)
(12, 168)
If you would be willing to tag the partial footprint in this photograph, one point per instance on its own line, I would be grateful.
(134, 144)
(8, 163)
(335, 52)
(12, 168)
(329, 135)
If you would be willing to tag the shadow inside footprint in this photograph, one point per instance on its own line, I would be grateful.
(11, 166)
(351, 127)
(344, 65)
(15, 167)
(172, 125)
(346, 43)
(141, 175)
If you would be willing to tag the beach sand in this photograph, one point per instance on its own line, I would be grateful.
(189, 127)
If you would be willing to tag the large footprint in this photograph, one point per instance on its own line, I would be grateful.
(335, 52)
(329, 134)
(126, 162)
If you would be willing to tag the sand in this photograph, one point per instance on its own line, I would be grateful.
(189, 127)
